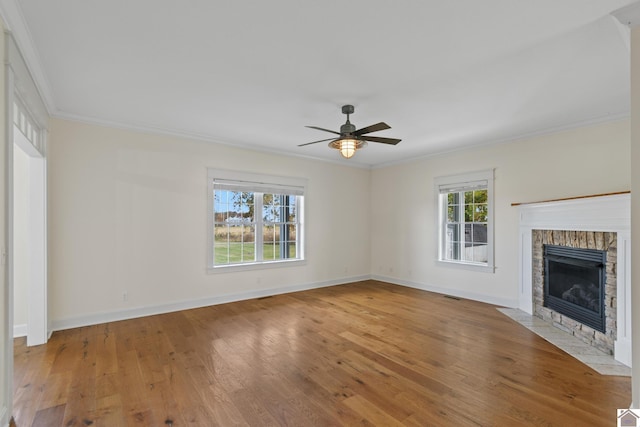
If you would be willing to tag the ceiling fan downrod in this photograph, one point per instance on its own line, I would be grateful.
(347, 128)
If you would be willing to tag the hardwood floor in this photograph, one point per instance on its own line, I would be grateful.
(366, 353)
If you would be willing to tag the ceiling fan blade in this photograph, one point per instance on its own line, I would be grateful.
(326, 130)
(372, 128)
(392, 141)
(315, 142)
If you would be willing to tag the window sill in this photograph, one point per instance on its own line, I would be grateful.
(255, 266)
(466, 266)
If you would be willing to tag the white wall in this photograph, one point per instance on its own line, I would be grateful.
(20, 239)
(585, 161)
(127, 213)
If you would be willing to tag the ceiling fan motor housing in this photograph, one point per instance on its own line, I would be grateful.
(347, 128)
(348, 109)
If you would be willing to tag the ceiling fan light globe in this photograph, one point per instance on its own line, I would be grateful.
(348, 148)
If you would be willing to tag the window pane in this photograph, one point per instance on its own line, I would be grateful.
(468, 213)
(248, 252)
(452, 245)
(468, 234)
(452, 250)
(271, 207)
(292, 232)
(268, 234)
(480, 213)
(221, 244)
(248, 234)
(269, 242)
(468, 197)
(243, 252)
(479, 253)
(288, 250)
(269, 252)
(290, 212)
(220, 205)
(245, 206)
(480, 233)
(235, 243)
(480, 196)
(453, 232)
(452, 213)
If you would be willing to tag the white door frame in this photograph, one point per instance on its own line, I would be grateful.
(26, 123)
(37, 325)
(19, 86)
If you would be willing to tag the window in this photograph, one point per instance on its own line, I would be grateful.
(254, 219)
(465, 206)
(24, 122)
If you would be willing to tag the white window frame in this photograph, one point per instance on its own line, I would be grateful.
(258, 183)
(464, 182)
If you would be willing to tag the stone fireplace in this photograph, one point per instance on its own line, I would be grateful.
(574, 283)
(600, 227)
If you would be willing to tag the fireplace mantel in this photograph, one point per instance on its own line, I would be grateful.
(569, 198)
(606, 213)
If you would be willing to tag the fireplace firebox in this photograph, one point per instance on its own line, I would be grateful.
(574, 282)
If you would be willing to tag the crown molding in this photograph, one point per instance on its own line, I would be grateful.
(14, 21)
(629, 15)
(194, 136)
(609, 118)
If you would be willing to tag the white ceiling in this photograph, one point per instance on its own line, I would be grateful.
(443, 74)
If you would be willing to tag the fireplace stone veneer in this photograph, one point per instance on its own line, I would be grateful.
(602, 241)
(589, 222)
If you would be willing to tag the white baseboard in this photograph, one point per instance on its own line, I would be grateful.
(132, 313)
(503, 302)
(20, 330)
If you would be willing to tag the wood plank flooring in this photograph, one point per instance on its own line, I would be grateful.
(366, 353)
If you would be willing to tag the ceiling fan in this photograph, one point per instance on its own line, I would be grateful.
(350, 139)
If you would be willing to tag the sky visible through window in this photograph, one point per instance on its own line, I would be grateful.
(238, 206)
